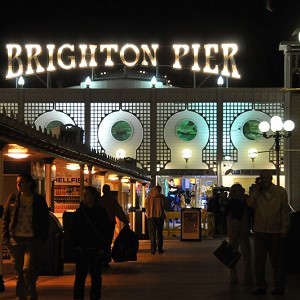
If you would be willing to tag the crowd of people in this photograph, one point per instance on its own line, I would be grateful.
(264, 212)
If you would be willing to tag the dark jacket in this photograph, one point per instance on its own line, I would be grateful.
(40, 217)
(113, 209)
(238, 224)
(82, 233)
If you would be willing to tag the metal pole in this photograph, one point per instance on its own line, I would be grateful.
(277, 148)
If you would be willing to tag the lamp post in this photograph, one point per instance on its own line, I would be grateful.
(21, 81)
(88, 82)
(220, 81)
(279, 130)
(153, 82)
(186, 154)
(252, 153)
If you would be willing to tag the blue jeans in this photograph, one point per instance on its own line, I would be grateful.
(156, 226)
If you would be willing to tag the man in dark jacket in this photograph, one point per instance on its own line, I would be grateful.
(25, 228)
(113, 209)
(90, 234)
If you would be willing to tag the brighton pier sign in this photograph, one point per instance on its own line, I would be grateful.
(33, 59)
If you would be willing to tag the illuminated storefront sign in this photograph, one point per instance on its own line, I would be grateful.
(33, 58)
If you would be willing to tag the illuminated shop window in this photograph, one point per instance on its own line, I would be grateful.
(251, 131)
(121, 131)
(186, 130)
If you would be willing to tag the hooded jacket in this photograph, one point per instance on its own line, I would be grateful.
(155, 204)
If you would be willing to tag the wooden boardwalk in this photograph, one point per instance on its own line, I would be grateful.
(187, 270)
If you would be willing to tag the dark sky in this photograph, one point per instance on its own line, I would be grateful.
(247, 23)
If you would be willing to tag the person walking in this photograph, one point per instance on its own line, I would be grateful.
(25, 228)
(90, 234)
(155, 213)
(238, 231)
(271, 226)
(182, 200)
(113, 210)
(213, 214)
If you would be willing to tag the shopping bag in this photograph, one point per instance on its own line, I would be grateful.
(227, 254)
(125, 246)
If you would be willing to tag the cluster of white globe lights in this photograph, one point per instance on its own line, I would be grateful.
(276, 125)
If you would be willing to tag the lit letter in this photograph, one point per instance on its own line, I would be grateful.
(147, 51)
(196, 67)
(93, 61)
(227, 56)
(136, 52)
(208, 56)
(84, 54)
(72, 57)
(33, 50)
(50, 48)
(14, 48)
(83, 63)
(176, 47)
(115, 47)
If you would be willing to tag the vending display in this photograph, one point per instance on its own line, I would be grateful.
(66, 197)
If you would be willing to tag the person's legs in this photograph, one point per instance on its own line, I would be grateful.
(30, 268)
(160, 238)
(80, 275)
(96, 276)
(260, 257)
(210, 225)
(276, 259)
(246, 256)
(107, 258)
(17, 251)
(152, 234)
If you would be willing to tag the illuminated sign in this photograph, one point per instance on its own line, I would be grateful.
(30, 59)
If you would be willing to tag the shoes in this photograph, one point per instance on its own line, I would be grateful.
(278, 292)
(161, 251)
(259, 291)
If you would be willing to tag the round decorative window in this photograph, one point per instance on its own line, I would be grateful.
(251, 130)
(53, 124)
(121, 131)
(186, 130)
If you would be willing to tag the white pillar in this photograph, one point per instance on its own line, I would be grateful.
(48, 164)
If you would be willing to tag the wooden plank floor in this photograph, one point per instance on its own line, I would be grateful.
(187, 270)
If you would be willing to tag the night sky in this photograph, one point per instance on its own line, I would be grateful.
(248, 23)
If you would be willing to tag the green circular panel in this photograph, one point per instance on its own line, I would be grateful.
(121, 131)
(186, 130)
(53, 124)
(251, 130)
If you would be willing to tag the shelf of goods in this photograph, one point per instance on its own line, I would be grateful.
(66, 198)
